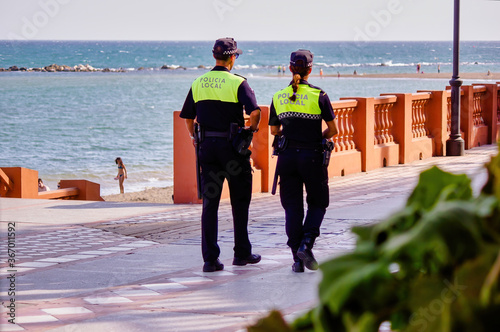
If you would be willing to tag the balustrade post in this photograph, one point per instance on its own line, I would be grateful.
(467, 115)
(403, 123)
(490, 107)
(364, 128)
(437, 120)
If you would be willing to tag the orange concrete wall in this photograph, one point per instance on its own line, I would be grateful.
(24, 180)
(185, 187)
(88, 191)
(24, 183)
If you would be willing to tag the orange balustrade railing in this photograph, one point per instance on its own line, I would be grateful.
(344, 140)
(373, 132)
(477, 113)
(419, 114)
(383, 121)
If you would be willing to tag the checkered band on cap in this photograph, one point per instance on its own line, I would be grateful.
(229, 52)
(226, 46)
(301, 58)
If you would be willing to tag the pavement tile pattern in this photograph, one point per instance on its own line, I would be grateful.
(186, 299)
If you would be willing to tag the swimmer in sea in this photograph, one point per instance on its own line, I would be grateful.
(122, 173)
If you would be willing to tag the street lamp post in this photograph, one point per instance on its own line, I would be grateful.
(455, 144)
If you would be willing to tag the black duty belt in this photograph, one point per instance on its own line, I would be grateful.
(303, 145)
(224, 134)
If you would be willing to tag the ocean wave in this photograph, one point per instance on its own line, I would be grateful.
(247, 67)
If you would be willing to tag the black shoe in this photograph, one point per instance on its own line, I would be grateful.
(306, 255)
(250, 259)
(298, 267)
(213, 266)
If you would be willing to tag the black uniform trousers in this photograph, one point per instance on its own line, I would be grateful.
(298, 167)
(220, 161)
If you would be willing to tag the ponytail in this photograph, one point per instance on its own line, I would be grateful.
(298, 74)
(295, 86)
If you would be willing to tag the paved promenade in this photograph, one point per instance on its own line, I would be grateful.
(106, 266)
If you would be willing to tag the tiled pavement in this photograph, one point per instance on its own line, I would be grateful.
(72, 274)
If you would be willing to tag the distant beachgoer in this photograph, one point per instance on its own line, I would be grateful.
(122, 173)
(42, 187)
(489, 73)
(321, 72)
(439, 69)
(418, 68)
(338, 74)
(279, 70)
(283, 69)
(355, 72)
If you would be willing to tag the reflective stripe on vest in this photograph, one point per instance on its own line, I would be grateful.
(305, 106)
(217, 85)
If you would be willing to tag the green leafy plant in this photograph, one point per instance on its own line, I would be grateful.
(433, 266)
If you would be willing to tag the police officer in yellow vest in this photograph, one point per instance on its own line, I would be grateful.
(216, 101)
(296, 117)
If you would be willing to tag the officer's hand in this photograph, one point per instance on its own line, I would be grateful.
(251, 129)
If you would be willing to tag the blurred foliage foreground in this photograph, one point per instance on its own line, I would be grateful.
(434, 266)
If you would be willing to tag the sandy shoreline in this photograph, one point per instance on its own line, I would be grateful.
(471, 76)
(150, 195)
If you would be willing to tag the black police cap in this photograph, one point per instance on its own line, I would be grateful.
(301, 58)
(226, 46)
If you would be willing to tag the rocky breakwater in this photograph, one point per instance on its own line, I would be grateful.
(80, 68)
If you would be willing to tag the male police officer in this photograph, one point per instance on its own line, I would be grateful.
(217, 100)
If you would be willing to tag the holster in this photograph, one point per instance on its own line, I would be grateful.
(279, 144)
(242, 140)
(198, 133)
(328, 147)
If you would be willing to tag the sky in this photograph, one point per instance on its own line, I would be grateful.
(255, 20)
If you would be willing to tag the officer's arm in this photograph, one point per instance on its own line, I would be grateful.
(331, 129)
(255, 119)
(276, 130)
(190, 127)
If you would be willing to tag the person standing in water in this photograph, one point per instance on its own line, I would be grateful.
(122, 173)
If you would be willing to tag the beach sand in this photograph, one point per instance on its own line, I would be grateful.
(472, 76)
(150, 195)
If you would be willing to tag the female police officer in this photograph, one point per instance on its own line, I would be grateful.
(296, 115)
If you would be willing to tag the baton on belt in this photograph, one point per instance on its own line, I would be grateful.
(275, 182)
(278, 144)
(197, 140)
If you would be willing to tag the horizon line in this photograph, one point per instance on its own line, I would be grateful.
(240, 40)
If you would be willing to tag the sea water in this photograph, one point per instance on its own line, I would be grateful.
(72, 125)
